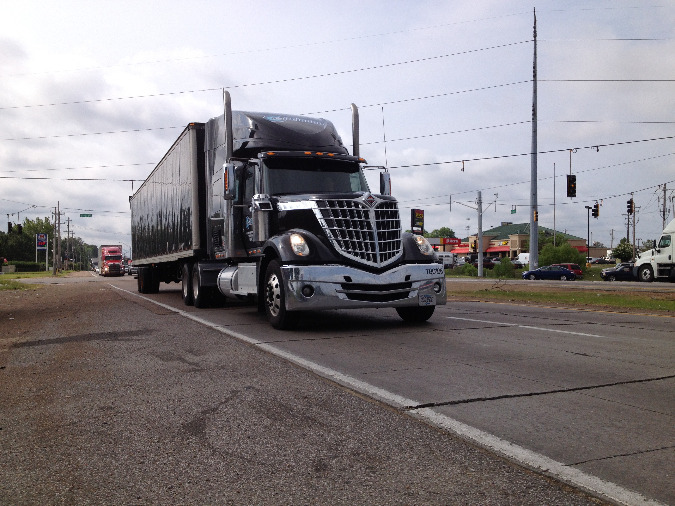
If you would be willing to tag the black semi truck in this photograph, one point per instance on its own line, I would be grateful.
(272, 207)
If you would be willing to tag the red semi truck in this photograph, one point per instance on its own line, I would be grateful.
(110, 260)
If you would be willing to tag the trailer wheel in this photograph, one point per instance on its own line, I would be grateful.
(200, 294)
(415, 314)
(275, 299)
(645, 274)
(186, 284)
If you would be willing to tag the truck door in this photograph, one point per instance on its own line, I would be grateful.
(242, 221)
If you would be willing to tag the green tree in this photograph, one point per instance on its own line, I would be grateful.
(544, 238)
(21, 246)
(441, 232)
(624, 251)
(561, 254)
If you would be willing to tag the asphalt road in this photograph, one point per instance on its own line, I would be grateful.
(143, 400)
(584, 395)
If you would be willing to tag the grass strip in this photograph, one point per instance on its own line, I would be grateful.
(648, 302)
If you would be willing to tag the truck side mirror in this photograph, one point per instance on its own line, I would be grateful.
(229, 182)
(385, 183)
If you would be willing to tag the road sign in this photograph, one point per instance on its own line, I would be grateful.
(85, 215)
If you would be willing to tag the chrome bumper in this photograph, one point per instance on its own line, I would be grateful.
(310, 287)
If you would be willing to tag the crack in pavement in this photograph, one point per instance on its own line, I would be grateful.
(642, 452)
(533, 394)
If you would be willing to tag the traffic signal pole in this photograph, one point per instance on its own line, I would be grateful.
(534, 230)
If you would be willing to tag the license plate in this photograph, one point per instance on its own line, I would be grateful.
(427, 300)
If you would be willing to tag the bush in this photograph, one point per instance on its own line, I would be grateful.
(504, 269)
(468, 270)
(28, 266)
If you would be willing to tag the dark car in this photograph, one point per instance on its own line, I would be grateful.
(575, 268)
(602, 261)
(550, 272)
(488, 263)
(621, 272)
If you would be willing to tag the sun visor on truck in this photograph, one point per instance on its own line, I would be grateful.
(254, 132)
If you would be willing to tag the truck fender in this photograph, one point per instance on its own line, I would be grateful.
(280, 247)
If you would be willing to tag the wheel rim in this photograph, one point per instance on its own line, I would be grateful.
(273, 295)
(563, 278)
(195, 285)
(532, 276)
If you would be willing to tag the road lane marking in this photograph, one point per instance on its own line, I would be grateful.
(527, 327)
(514, 452)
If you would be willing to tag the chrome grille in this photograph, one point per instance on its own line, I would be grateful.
(368, 235)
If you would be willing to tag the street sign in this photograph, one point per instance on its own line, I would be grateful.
(85, 215)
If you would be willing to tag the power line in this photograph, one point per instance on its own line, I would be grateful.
(480, 159)
(496, 187)
(277, 81)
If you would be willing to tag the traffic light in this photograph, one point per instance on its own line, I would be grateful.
(630, 206)
(9, 227)
(571, 185)
(19, 229)
(536, 216)
(474, 246)
(596, 210)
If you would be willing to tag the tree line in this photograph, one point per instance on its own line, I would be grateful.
(18, 245)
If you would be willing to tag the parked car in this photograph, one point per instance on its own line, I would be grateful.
(488, 263)
(602, 261)
(575, 268)
(550, 272)
(621, 272)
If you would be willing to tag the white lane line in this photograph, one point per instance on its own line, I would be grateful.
(517, 453)
(527, 327)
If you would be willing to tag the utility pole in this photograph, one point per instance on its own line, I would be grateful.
(588, 232)
(664, 205)
(534, 229)
(59, 234)
(554, 205)
(54, 242)
(634, 213)
(480, 235)
(68, 243)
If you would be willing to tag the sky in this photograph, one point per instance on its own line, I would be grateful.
(94, 93)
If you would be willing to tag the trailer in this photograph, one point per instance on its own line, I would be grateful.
(273, 208)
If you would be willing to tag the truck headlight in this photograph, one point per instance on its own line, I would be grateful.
(299, 245)
(423, 245)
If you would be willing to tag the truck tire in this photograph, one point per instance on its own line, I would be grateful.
(186, 284)
(200, 293)
(148, 280)
(143, 280)
(415, 314)
(646, 274)
(275, 299)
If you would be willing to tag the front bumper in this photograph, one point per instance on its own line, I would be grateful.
(313, 287)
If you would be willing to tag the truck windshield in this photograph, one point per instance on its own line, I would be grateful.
(290, 175)
(113, 257)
